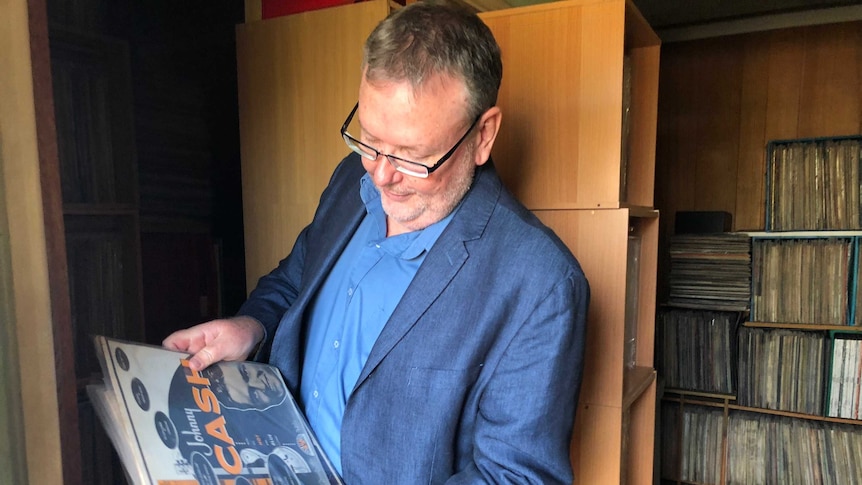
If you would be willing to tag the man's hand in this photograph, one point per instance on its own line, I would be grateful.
(216, 340)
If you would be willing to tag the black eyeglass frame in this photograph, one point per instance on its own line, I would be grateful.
(424, 170)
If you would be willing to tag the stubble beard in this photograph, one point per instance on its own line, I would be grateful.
(422, 210)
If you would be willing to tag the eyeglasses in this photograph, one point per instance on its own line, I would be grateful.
(414, 169)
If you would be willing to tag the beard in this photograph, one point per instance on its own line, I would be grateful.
(421, 210)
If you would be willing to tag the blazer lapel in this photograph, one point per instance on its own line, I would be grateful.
(441, 265)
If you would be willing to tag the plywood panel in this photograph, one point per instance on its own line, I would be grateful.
(681, 86)
(601, 98)
(598, 459)
(639, 464)
(647, 228)
(641, 165)
(751, 162)
(298, 78)
(29, 296)
(831, 81)
(717, 142)
(669, 140)
(539, 125)
(786, 56)
(561, 97)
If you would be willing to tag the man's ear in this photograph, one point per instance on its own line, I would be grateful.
(488, 126)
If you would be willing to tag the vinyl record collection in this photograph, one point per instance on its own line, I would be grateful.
(782, 369)
(698, 456)
(845, 391)
(801, 280)
(710, 271)
(776, 399)
(698, 349)
(814, 185)
(764, 450)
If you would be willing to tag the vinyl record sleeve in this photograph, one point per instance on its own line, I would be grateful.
(232, 423)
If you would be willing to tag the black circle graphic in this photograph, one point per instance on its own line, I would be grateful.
(166, 430)
(139, 391)
(122, 358)
(202, 470)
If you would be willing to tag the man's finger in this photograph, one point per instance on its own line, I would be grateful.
(203, 359)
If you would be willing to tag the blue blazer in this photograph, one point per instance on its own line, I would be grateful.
(475, 377)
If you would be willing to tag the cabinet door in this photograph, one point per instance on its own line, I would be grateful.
(298, 79)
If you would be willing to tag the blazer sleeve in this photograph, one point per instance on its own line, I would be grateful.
(526, 415)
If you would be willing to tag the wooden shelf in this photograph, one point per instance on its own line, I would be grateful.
(684, 393)
(100, 209)
(640, 211)
(98, 173)
(804, 326)
(600, 239)
(799, 234)
(637, 380)
(809, 417)
(773, 412)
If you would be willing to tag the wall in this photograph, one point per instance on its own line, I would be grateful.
(12, 464)
(30, 308)
(722, 99)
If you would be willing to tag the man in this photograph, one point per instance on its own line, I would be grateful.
(431, 327)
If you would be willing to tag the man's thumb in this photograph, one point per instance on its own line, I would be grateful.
(201, 360)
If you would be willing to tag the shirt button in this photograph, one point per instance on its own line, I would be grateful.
(350, 291)
(335, 344)
(315, 394)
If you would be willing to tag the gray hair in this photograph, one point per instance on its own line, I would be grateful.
(427, 38)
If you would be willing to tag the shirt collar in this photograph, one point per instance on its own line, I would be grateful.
(409, 245)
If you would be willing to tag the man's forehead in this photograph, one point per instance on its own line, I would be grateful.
(436, 85)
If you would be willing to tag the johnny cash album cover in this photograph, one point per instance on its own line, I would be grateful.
(233, 423)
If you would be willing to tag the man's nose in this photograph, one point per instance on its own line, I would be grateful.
(383, 172)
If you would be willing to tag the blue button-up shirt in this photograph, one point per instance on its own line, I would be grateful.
(349, 312)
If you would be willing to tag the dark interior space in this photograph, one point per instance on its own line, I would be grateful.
(669, 14)
(182, 69)
(145, 102)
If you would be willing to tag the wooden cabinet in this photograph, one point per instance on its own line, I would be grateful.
(577, 146)
(98, 173)
(561, 145)
(298, 79)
